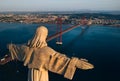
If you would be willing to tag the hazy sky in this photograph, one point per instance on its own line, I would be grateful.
(58, 5)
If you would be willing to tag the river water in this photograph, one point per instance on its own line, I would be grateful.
(98, 44)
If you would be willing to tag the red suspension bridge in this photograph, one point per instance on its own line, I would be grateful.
(59, 33)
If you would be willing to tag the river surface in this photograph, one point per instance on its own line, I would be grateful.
(100, 45)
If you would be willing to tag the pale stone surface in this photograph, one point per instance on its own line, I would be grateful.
(40, 58)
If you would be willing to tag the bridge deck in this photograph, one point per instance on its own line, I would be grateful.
(59, 33)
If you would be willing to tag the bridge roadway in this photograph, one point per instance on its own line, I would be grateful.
(59, 33)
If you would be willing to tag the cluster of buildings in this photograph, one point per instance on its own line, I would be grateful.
(106, 21)
(51, 18)
(26, 18)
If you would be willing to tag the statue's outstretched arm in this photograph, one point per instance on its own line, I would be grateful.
(5, 59)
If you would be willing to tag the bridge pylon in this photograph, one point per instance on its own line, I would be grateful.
(59, 30)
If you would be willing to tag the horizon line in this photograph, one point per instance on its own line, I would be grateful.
(84, 10)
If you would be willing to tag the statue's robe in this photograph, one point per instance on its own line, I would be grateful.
(45, 59)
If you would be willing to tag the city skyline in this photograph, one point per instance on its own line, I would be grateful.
(61, 5)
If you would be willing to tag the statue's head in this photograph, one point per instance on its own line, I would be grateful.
(39, 39)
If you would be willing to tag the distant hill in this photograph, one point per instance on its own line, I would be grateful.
(64, 12)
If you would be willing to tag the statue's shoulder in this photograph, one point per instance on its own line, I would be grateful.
(49, 49)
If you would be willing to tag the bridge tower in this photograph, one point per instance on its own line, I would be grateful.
(84, 21)
(59, 30)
